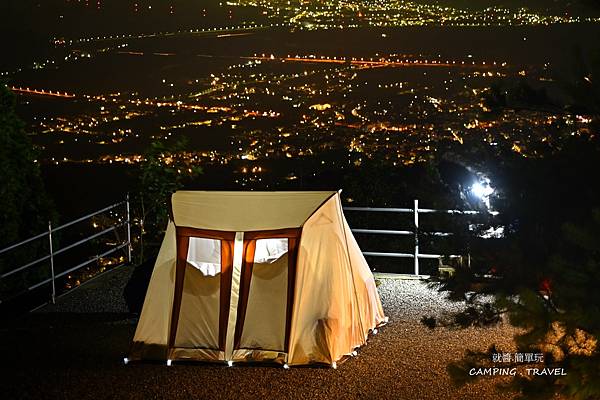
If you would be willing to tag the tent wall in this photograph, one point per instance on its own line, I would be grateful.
(150, 339)
(200, 298)
(328, 321)
(369, 303)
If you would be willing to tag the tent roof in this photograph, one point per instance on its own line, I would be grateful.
(245, 211)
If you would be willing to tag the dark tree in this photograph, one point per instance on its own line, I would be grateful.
(545, 272)
(25, 207)
(165, 170)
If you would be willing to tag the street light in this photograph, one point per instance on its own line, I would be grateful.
(482, 190)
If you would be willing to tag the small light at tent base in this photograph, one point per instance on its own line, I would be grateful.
(230, 363)
(375, 331)
(126, 361)
(334, 365)
(354, 353)
(285, 366)
(169, 362)
(386, 320)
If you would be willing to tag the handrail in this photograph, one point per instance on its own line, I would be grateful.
(87, 239)
(105, 209)
(54, 252)
(41, 235)
(379, 209)
(14, 271)
(416, 210)
(421, 210)
(83, 264)
(383, 232)
(31, 239)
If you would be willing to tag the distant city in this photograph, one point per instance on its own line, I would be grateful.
(333, 82)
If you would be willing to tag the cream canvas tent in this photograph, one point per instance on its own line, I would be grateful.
(257, 276)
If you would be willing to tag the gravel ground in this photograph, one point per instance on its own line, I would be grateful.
(103, 294)
(73, 350)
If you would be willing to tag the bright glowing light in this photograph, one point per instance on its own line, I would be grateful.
(230, 363)
(285, 366)
(126, 361)
(482, 190)
(168, 362)
(334, 365)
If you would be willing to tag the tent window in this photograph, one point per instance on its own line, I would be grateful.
(205, 255)
(270, 250)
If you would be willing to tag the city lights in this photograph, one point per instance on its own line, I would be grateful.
(457, 130)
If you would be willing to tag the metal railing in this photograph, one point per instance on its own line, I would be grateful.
(415, 255)
(53, 252)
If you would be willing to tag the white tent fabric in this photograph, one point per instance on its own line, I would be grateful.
(296, 288)
(245, 211)
(333, 323)
(152, 330)
(268, 291)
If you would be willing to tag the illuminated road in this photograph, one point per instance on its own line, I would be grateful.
(361, 62)
(224, 31)
(42, 92)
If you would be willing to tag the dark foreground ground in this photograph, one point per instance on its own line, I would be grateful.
(74, 350)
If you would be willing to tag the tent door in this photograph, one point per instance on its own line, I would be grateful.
(202, 290)
(265, 293)
(233, 291)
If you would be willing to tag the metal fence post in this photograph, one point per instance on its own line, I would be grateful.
(128, 231)
(51, 262)
(416, 214)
